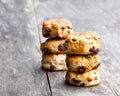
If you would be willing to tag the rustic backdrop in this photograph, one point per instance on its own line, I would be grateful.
(20, 37)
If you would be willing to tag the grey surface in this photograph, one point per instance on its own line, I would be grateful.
(20, 67)
(20, 72)
(60, 88)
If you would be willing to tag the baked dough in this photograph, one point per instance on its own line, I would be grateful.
(90, 78)
(53, 46)
(54, 62)
(81, 64)
(83, 43)
(56, 28)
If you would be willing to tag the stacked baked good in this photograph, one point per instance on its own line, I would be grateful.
(54, 54)
(83, 60)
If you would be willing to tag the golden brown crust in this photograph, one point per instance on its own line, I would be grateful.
(53, 46)
(90, 78)
(56, 28)
(81, 64)
(83, 43)
(54, 62)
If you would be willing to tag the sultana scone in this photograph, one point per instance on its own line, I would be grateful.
(90, 78)
(81, 64)
(83, 43)
(56, 28)
(53, 46)
(54, 62)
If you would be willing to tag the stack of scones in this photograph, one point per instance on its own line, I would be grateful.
(82, 59)
(75, 52)
(54, 54)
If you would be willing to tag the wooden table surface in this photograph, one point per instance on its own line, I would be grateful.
(20, 37)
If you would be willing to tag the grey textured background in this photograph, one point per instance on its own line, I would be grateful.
(20, 37)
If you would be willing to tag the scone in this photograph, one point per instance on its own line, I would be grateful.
(56, 28)
(54, 62)
(81, 64)
(53, 46)
(90, 78)
(83, 43)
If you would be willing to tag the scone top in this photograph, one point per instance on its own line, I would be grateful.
(83, 43)
(56, 28)
(83, 37)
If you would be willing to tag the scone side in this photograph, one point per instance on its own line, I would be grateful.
(87, 79)
(83, 43)
(54, 62)
(56, 28)
(81, 64)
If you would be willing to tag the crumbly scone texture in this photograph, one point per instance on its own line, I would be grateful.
(81, 64)
(83, 43)
(90, 78)
(56, 28)
(54, 62)
(53, 46)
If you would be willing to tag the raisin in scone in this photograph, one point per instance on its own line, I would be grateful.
(53, 46)
(83, 43)
(90, 78)
(56, 28)
(81, 64)
(54, 62)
